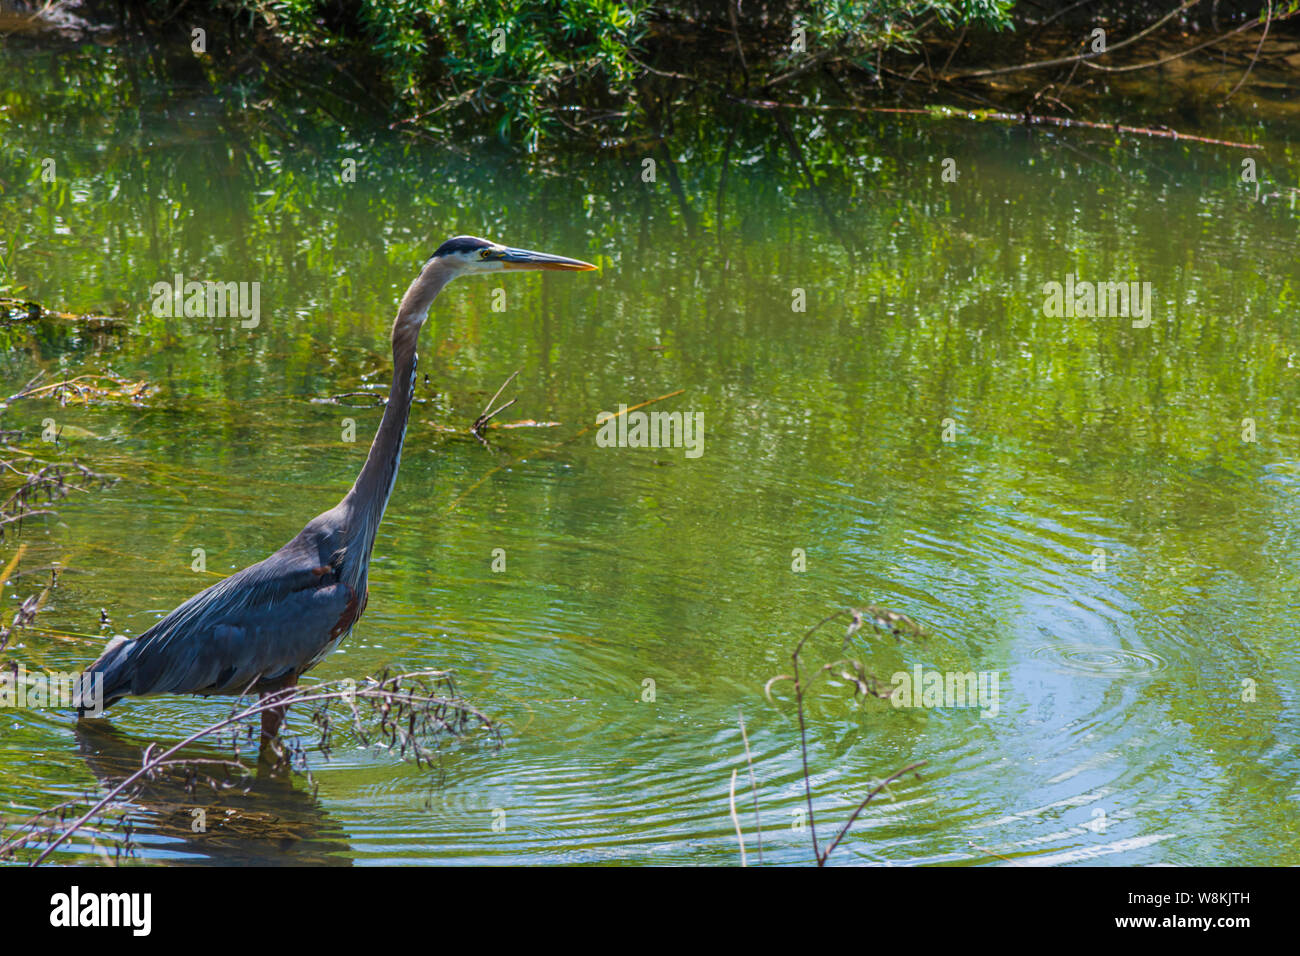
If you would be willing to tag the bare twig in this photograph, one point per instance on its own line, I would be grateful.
(1248, 25)
(488, 412)
(861, 806)
(1062, 61)
(881, 619)
(740, 835)
(735, 32)
(85, 388)
(1268, 21)
(43, 483)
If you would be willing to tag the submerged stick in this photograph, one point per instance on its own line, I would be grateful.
(1029, 119)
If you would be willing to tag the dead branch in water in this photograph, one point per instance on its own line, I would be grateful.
(22, 310)
(27, 611)
(882, 620)
(995, 116)
(83, 389)
(1268, 22)
(1079, 58)
(489, 412)
(33, 483)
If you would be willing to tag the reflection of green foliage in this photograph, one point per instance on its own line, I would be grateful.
(866, 20)
(867, 25)
(525, 63)
(432, 49)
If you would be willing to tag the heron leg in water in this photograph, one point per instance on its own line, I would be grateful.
(273, 717)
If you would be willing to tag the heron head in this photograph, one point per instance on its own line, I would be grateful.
(468, 255)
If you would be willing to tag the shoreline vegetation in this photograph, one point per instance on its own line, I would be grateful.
(610, 75)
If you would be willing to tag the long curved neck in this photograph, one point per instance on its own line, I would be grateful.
(369, 495)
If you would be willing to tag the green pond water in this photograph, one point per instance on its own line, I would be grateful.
(1121, 736)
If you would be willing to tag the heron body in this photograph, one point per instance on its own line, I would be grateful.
(263, 627)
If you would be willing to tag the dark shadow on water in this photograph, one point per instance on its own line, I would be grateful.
(264, 819)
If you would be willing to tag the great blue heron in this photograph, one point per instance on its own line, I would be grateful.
(260, 629)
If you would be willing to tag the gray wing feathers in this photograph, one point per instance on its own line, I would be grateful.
(269, 620)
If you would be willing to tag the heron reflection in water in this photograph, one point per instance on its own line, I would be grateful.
(264, 820)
